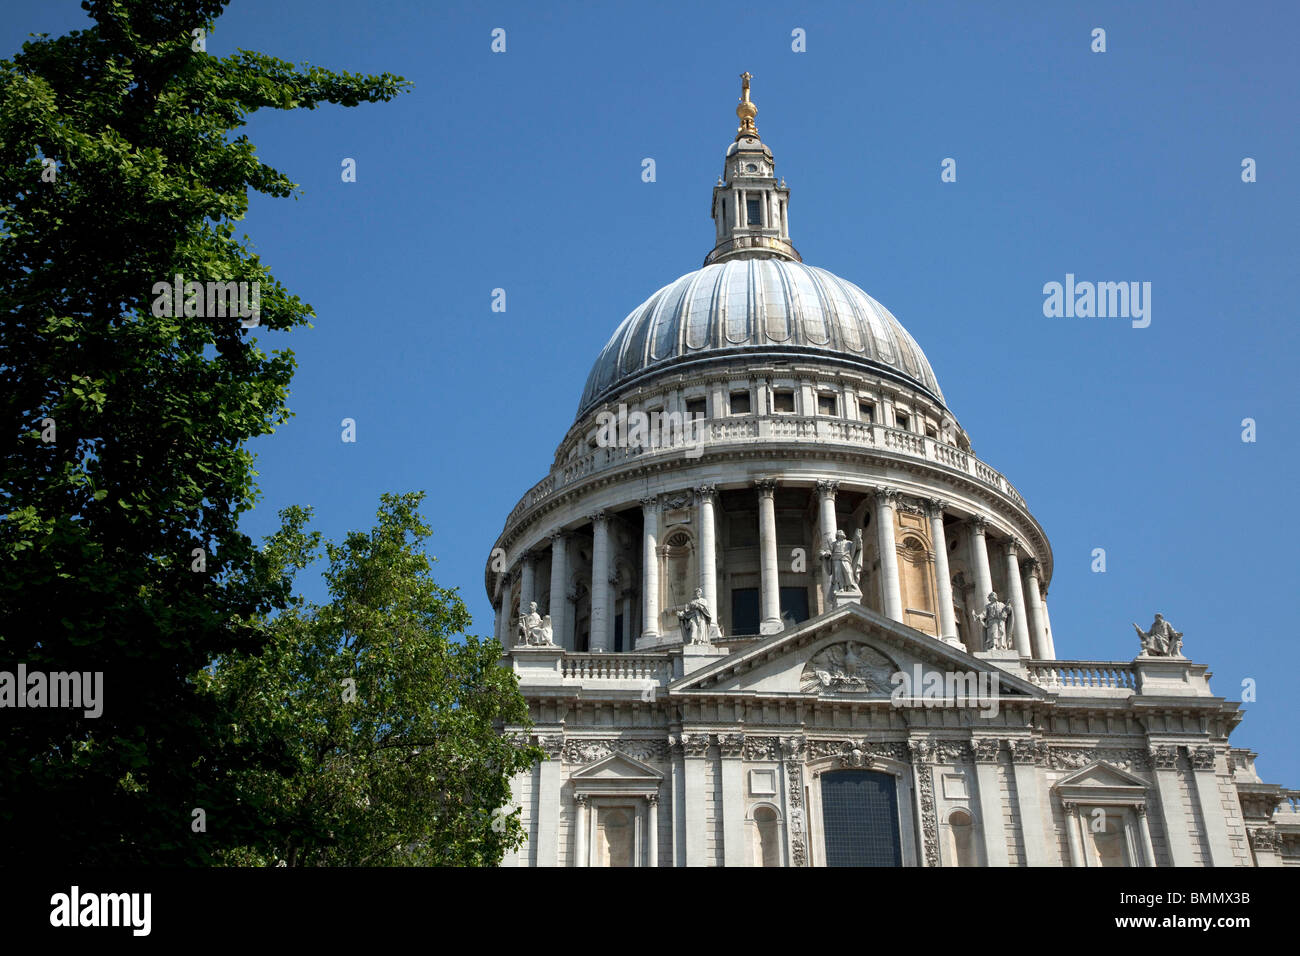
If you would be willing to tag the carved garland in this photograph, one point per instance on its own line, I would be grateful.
(922, 757)
(791, 748)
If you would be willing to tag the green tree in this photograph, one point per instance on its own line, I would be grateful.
(123, 470)
(391, 723)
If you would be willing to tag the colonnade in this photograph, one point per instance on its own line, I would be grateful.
(1031, 629)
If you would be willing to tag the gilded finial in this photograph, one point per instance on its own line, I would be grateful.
(746, 111)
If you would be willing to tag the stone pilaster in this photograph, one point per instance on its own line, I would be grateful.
(650, 570)
(561, 625)
(891, 595)
(1016, 598)
(706, 494)
(601, 616)
(769, 571)
(979, 556)
(947, 620)
(1034, 601)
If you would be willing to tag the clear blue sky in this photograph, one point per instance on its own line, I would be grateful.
(522, 171)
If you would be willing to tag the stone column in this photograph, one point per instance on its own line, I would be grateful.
(730, 747)
(580, 836)
(562, 632)
(1144, 828)
(510, 636)
(827, 525)
(527, 577)
(1210, 801)
(549, 782)
(992, 826)
(652, 846)
(1176, 817)
(1047, 630)
(1072, 832)
(892, 598)
(1019, 628)
(650, 570)
(980, 562)
(708, 550)
(947, 621)
(1025, 771)
(1034, 600)
(769, 574)
(601, 619)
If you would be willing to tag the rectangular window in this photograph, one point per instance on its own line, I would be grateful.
(902, 421)
(794, 604)
(783, 401)
(826, 405)
(696, 406)
(866, 411)
(930, 432)
(744, 611)
(740, 403)
(754, 212)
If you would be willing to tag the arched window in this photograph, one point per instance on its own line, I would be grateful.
(961, 838)
(766, 837)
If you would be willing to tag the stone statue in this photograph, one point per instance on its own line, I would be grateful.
(995, 618)
(696, 619)
(533, 628)
(1161, 640)
(843, 563)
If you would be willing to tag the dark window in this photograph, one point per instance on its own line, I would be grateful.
(696, 406)
(860, 819)
(740, 403)
(751, 168)
(794, 604)
(618, 632)
(826, 405)
(930, 432)
(744, 610)
(902, 421)
(866, 411)
(783, 401)
(754, 212)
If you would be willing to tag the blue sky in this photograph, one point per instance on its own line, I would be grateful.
(522, 171)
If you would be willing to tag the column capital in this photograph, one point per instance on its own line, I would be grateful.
(766, 487)
(1032, 567)
(935, 507)
(598, 516)
(528, 557)
(649, 502)
(558, 537)
(706, 492)
(580, 799)
(652, 799)
(1012, 547)
(886, 495)
(827, 489)
(978, 524)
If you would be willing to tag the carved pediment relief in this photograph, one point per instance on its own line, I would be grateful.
(848, 667)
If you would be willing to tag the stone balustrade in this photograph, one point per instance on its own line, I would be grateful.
(741, 429)
(651, 667)
(1076, 676)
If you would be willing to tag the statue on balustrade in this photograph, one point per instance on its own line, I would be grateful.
(1161, 640)
(696, 620)
(995, 618)
(843, 562)
(533, 628)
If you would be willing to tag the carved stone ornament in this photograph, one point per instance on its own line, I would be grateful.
(553, 744)
(695, 745)
(589, 751)
(951, 751)
(850, 668)
(762, 748)
(798, 847)
(731, 745)
(1202, 758)
(922, 751)
(1164, 758)
(986, 749)
(1160, 640)
(1059, 758)
(1267, 839)
(791, 748)
(929, 821)
(1026, 751)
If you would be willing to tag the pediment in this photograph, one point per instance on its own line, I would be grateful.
(850, 653)
(617, 767)
(1100, 775)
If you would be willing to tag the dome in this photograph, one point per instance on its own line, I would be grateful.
(758, 308)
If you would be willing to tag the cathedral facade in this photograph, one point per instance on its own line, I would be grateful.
(768, 608)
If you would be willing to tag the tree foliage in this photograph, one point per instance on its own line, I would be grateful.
(389, 722)
(150, 417)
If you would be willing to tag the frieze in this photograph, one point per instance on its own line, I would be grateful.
(1268, 839)
(791, 748)
(589, 751)
(848, 667)
(731, 745)
(762, 748)
(1202, 758)
(1164, 758)
(1060, 758)
(986, 749)
(1026, 751)
(695, 745)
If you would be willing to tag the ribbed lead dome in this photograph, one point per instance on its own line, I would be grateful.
(757, 308)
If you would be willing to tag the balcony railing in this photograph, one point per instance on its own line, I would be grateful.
(1083, 675)
(649, 667)
(743, 429)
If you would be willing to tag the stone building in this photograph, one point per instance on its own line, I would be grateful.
(769, 609)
